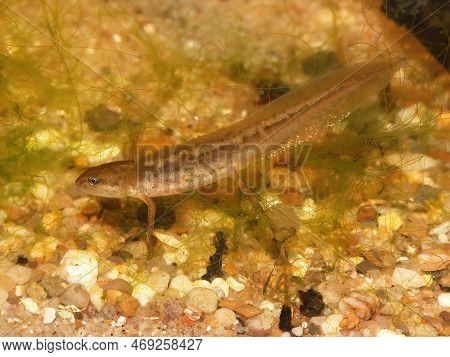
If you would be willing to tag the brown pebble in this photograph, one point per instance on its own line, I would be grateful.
(349, 321)
(90, 312)
(13, 299)
(247, 311)
(52, 285)
(366, 213)
(75, 295)
(172, 310)
(445, 281)
(119, 285)
(445, 316)
(109, 310)
(6, 283)
(92, 208)
(36, 292)
(113, 295)
(127, 305)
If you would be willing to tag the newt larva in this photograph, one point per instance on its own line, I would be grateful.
(303, 115)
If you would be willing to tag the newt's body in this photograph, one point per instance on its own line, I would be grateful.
(303, 115)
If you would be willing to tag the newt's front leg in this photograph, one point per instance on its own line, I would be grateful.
(151, 206)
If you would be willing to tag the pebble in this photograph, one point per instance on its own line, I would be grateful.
(113, 295)
(202, 299)
(138, 249)
(122, 320)
(6, 283)
(48, 315)
(79, 266)
(91, 208)
(182, 283)
(297, 331)
(364, 306)
(434, 262)
(247, 311)
(30, 305)
(263, 321)
(445, 281)
(3, 297)
(225, 317)
(285, 334)
(365, 266)
(366, 213)
(75, 295)
(52, 285)
(19, 274)
(96, 297)
(66, 315)
(391, 220)
(202, 284)
(267, 305)
(120, 285)
(234, 284)
(388, 333)
(44, 249)
(36, 291)
(222, 285)
(331, 325)
(127, 305)
(444, 299)
(109, 310)
(143, 293)
(409, 279)
(158, 281)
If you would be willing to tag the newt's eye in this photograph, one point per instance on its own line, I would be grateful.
(93, 180)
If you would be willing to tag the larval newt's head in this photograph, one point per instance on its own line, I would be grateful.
(113, 180)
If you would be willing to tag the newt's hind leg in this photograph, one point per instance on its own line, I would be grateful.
(151, 206)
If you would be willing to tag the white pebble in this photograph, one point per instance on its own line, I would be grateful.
(30, 305)
(234, 284)
(182, 283)
(263, 321)
(388, 333)
(117, 38)
(444, 299)
(20, 274)
(443, 238)
(331, 325)
(66, 315)
(286, 334)
(409, 279)
(149, 28)
(222, 285)
(441, 229)
(122, 320)
(48, 315)
(19, 290)
(202, 284)
(143, 293)
(267, 305)
(96, 297)
(158, 281)
(297, 331)
(391, 220)
(79, 267)
(225, 317)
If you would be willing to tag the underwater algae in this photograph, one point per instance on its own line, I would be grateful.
(352, 230)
